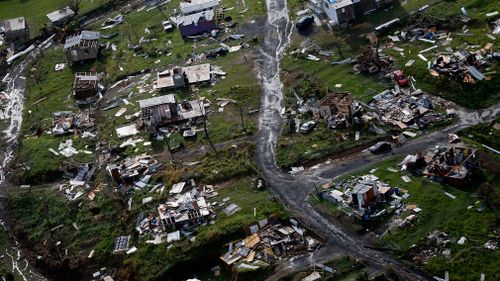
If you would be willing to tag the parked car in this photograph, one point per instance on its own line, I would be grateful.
(380, 147)
(167, 26)
(400, 78)
(304, 23)
(307, 127)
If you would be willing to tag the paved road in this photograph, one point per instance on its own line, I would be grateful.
(293, 191)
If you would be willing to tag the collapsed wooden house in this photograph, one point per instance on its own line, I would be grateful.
(86, 88)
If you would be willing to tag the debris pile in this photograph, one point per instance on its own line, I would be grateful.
(338, 109)
(453, 164)
(65, 122)
(404, 111)
(180, 215)
(368, 195)
(371, 61)
(135, 172)
(268, 242)
(80, 180)
(464, 65)
(437, 243)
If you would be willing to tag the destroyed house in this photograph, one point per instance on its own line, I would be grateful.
(159, 110)
(183, 209)
(171, 79)
(13, 29)
(336, 103)
(82, 46)
(337, 108)
(179, 77)
(198, 16)
(60, 17)
(85, 88)
(363, 193)
(453, 165)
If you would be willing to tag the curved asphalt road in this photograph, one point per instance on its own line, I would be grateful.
(293, 191)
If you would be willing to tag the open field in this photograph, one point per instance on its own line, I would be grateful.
(486, 134)
(296, 148)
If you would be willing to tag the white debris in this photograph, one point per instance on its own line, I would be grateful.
(462, 240)
(422, 57)
(450, 195)
(59, 66)
(120, 112)
(132, 250)
(406, 179)
(54, 152)
(127, 131)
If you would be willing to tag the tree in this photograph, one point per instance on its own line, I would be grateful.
(75, 6)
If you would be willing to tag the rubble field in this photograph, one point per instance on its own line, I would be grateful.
(224, 98)
(431, 225)
(76, 229)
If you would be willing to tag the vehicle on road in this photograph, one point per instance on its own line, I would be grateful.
(307, 127)
(380, 147)
(400, 78)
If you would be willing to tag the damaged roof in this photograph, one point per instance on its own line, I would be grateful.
(337, 4)
(197, 6)
(195, 18)
(197, 73)
(85, 35)
(85, 80)
(13, 24)
(60, 14)
(157, 101)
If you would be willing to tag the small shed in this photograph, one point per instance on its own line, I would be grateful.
(60, 17)
(82, 46)
(13, 29)
(159, 110)
(85, 88)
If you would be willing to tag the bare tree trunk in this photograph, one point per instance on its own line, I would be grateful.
(208, 136)
(241, 117)
(170, 148)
